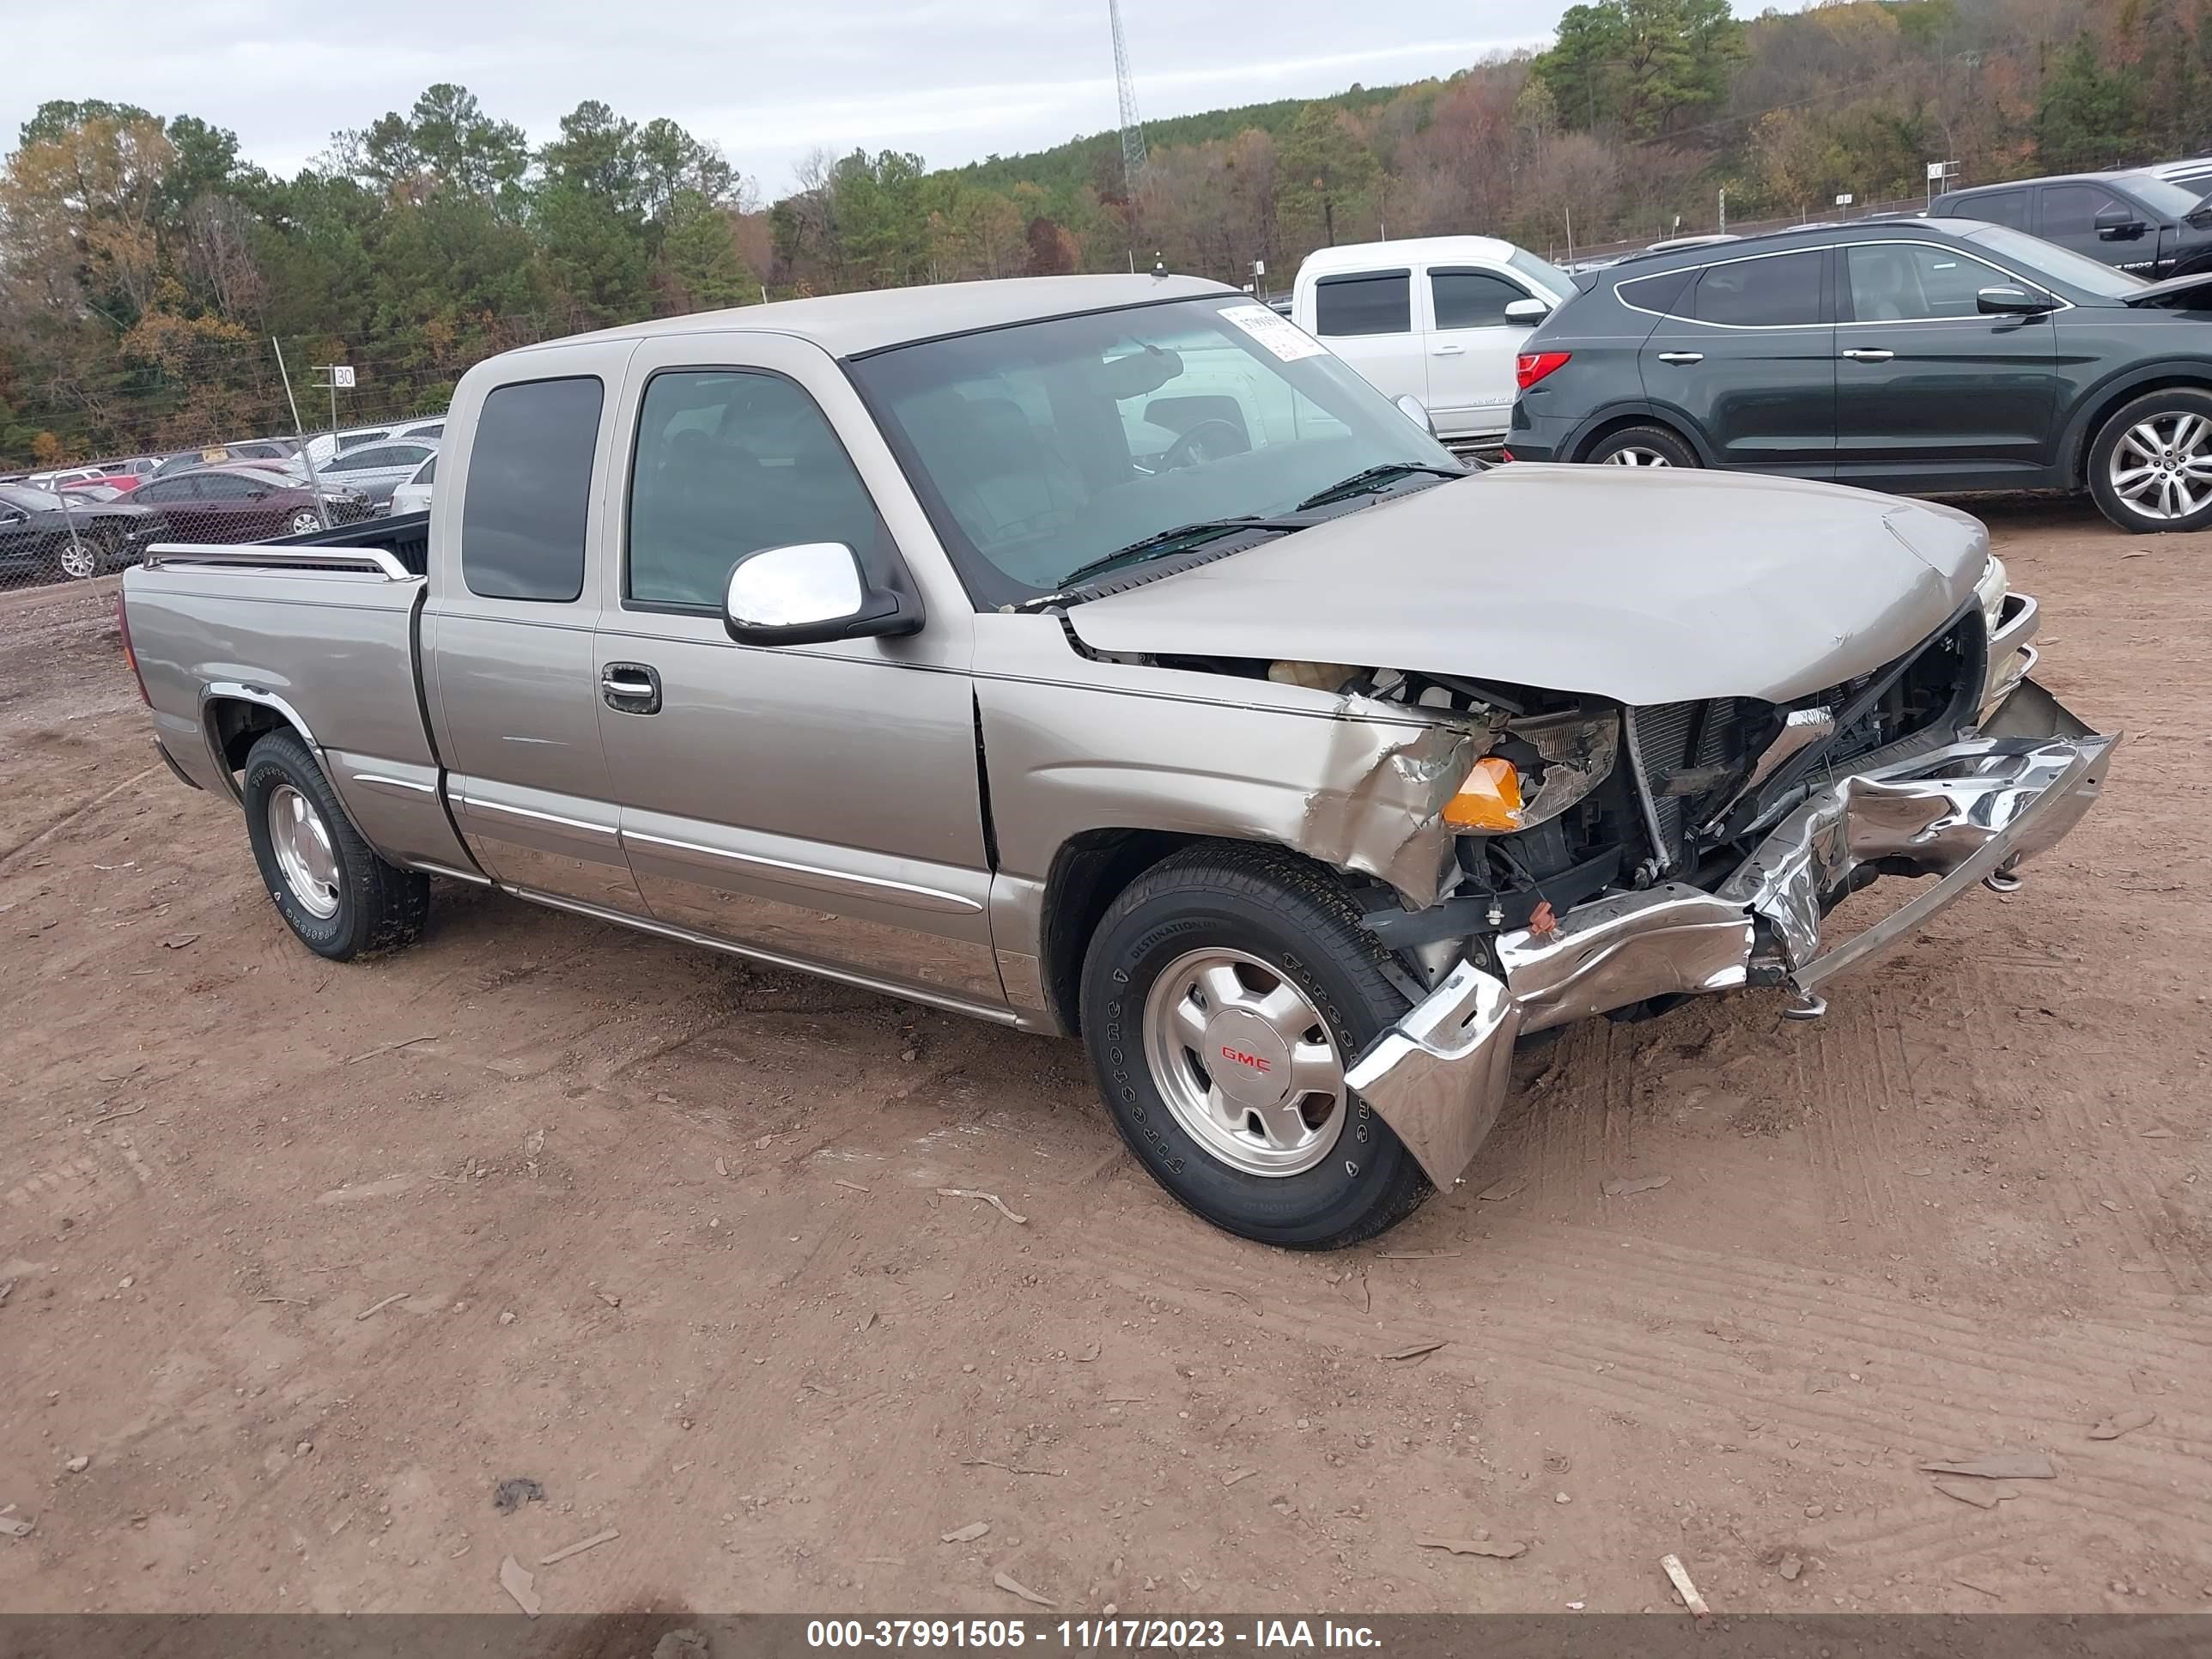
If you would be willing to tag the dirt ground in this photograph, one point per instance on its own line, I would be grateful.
(306, 1258)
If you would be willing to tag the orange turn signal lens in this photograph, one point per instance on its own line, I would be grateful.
(1490, 798)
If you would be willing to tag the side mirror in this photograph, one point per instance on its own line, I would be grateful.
(810, 593)
(1418, 412)
(2008, 301)
(1526, 313)
(2119, 224)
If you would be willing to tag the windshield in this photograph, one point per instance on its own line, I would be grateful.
(2049, 259)
(1042, 448)
(2163, 195)
(1543, 271)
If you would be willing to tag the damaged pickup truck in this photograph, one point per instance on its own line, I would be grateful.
(1100, 656)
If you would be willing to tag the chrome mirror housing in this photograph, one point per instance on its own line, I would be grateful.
(1418, 412)
(807, 593)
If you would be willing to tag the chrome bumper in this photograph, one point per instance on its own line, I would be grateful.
(1965, 812)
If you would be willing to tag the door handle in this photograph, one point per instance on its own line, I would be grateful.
(630, 688)
(1869, 355)
(1680, 357)
(1448, 351)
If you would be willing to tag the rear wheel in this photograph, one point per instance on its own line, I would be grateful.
(1224, 995)
(2150, 468)
(1642, 446)
(334, 893)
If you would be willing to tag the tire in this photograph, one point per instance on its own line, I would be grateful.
(2150, 467)
(1285, 931)
(373, 906)
(1642, 446)
(81, 557)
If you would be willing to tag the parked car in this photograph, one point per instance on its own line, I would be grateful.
(44, 537)
(376, 470)
(2194, 174)
(1439, 319)
(1932, 356)
(414, 495)
(127, 475)
(226, 454)
(2137, 221)
(245, 504)
(1300, 777)
(325, 445)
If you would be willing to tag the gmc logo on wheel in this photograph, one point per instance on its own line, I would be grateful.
(1243, 1059)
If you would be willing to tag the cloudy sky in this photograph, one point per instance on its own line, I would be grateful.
(953, 79)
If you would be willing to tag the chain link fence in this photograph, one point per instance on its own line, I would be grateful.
(72, 529)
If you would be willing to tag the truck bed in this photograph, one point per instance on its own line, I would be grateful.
(317, 632)
(406, 537)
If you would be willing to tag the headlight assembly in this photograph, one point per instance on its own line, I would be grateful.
(1534, 772)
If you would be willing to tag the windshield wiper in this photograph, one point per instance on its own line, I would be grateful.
(1373, 478)
(1180, 539)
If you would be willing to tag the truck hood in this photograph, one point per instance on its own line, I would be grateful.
(1642, 587)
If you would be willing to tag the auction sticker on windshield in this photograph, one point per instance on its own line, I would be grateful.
(1278, 333)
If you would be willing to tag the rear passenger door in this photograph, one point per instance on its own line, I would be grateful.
(507, 650)
(1471, 348)
(816, 805)
(1746, 355)
(1367, 318)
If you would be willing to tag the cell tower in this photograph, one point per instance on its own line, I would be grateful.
(1132, 129)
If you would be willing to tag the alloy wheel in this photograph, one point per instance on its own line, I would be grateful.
(2162, 467)
(1634, 455)
(301, 842)
(1245, 1061)
(80, 557)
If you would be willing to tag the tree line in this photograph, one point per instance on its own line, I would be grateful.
(145, 264)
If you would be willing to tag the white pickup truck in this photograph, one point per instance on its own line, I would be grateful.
(1441, 319)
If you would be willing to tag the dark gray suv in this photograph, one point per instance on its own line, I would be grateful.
(1917, 356)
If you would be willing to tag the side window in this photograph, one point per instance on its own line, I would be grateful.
(1664, 294)
(728, 462)
(1901, 281)
(430, 472)
(222, 487)
(1769, 293)
(1999, 207)
(1376, 302)
(529, 488)
(2069, 212)
(1471, 299)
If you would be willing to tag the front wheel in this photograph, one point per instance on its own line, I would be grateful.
(305, 522)
(2150, 468)
(334, 893)
(1642, 446)
(84, 555)
(1224, 995)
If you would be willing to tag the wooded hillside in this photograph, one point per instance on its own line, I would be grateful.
(144, 264)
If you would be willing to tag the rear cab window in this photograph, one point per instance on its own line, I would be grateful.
(528, 489)
(1364, 302)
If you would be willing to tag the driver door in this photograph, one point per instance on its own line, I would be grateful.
(816, 805)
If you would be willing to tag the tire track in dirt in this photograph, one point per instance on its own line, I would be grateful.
(1613, 1363)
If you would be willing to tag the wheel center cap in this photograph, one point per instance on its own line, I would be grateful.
(1247, 1058)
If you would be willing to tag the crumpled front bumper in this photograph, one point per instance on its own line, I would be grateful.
(1967, 812)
